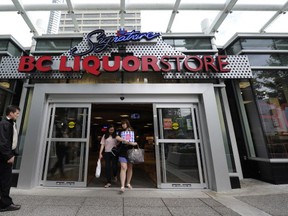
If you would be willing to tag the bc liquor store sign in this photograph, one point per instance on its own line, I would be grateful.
(150, 54)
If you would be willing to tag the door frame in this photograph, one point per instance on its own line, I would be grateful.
(217, 169)
(198, 144)
(48, 139)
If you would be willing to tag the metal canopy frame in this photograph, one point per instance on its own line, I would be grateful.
(123, 7)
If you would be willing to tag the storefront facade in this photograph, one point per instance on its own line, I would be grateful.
(191, 88)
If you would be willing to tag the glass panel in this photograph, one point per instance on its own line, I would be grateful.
(54, 44)
(66, 161)
(271, 89)
(253, 122)
(225, 132)
(190, 43)
(66, 156)
(176, 123)
(264, 60)
(234, 48)
(3, 45)
(72, 120)
(281, 44)
(256, 44)
(178, 163)
(268, 60)
(14, 50)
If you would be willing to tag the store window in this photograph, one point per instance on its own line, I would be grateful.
(265, 99)
(271, 91)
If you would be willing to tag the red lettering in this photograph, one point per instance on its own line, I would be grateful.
(197, 61)
(178, 58)
(209, 63)
(41, 63)
(76, 65)
(149, 61)
(222, 63)
(63, 66)
(127, 66)
(26, 64)
(164, 61)
(91, 64)
(107, 67)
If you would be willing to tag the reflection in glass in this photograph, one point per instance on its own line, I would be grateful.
(272, 95)
(70, 119)
(176, 123)
(179, 163)
(65, 155)
(271, 89)
(64, 161)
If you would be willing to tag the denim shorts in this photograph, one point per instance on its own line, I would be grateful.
(123, 160)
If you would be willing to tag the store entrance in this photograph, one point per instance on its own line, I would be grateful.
(141, 119)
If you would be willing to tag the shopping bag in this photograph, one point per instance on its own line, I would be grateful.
(98, 169)
(135, 155)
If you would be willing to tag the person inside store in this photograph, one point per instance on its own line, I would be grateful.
(126, 139)
(8, 145)
(107, 142)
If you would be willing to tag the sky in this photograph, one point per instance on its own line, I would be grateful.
(185, 21)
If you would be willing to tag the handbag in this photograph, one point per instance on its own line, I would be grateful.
(98, 169)
(135, 155)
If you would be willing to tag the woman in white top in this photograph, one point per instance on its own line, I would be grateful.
(108, 141)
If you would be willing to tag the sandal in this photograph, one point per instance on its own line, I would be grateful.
(129, 186)
(107, 185)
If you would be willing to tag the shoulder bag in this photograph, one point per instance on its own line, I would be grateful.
(135, 155)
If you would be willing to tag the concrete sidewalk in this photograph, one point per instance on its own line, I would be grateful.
(254, 198)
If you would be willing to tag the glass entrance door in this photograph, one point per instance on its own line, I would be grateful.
(178, 147)
(67, 142)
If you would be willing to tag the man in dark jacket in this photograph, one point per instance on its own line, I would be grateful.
(8, 144)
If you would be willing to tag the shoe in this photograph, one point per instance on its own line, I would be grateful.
(115, 179)
(129, 186)
(107, 185)
(122, 190)
(11, 207)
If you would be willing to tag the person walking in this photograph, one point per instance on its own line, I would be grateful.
(107, 142)
(8, 144)
(127, 141)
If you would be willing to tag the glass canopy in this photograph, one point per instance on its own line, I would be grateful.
(24, 19)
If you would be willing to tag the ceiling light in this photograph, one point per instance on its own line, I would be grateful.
(124, 115)
(98, 117)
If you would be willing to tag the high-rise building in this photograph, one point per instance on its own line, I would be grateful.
(54, 19)
(107, 20)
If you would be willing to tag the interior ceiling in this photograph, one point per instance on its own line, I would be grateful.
(113, 112)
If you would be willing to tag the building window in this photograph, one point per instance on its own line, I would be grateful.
(256, 44)
(56, 44)
(268, 59)
(271, 95)
(265, 101)
(235, 48)
(3, 45)
(281, 44)
(189, 43)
